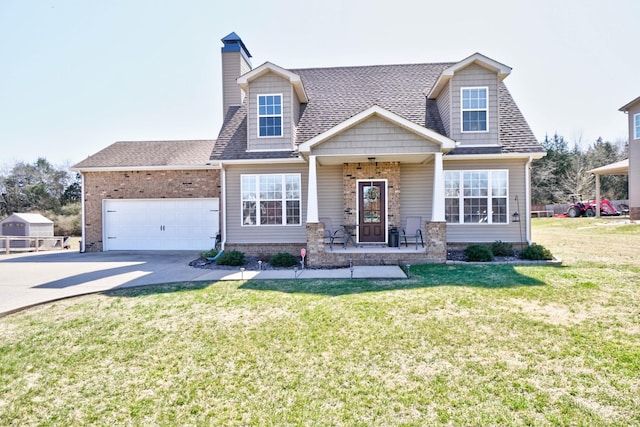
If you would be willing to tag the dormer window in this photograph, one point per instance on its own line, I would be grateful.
(474, 109)
(269, 116)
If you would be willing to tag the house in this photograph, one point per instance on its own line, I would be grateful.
(366, 146)
(632, 109)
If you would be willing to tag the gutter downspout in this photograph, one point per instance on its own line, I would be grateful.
(223, 205)
(527, 201)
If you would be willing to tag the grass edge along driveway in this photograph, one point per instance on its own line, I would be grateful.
(487, 344)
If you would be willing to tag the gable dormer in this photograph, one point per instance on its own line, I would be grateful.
(467, 97)
(274, 98)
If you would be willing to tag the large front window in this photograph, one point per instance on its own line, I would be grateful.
(473, 197)
(474, 109)
(636, 126)
(272, 199)
(269, 115)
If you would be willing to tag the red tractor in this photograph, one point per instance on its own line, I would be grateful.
(588, 208)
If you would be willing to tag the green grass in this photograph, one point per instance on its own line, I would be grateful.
(458, 345)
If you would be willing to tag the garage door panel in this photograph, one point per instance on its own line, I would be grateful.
(160, 224)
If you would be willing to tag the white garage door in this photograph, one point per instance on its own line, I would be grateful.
(160, 224)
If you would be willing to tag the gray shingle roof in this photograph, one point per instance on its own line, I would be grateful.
(337, 94)
(151, 153)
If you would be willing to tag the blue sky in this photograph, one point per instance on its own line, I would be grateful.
(76, 76)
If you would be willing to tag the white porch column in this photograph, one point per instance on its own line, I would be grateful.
(312, 193)
(437, 206)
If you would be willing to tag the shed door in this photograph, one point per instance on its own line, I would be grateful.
(160, 224)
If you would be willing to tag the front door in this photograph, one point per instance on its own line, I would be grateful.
(372, 216)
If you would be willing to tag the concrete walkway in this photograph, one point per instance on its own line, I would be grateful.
(33, 278)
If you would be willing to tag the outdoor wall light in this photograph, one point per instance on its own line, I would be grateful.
(515, 217)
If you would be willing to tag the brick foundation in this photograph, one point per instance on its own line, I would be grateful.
(265, 251)
(315, 244)
(176, 184)
(436, 241)
(634, 213)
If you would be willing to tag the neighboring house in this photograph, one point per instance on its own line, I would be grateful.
(632, 109)
(367, 146)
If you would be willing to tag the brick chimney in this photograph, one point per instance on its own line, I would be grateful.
(235, 62)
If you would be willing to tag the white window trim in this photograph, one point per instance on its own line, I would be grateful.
(272, 115)
(636, 126)
(489, 198)
(462, 110)
(257, 200)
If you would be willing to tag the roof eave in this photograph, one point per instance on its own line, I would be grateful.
(628, 106)
(499, 68)
(268, 67)
(214, 164)
(533, 156)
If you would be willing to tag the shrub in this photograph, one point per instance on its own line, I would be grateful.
(231, 258)
(283, 259)
(500, 248)
(478, 253)
(536, 252)
(209, 254)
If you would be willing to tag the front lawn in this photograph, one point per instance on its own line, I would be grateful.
(459, 345)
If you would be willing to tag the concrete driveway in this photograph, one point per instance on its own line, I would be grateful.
(32, 278)
(37, 277)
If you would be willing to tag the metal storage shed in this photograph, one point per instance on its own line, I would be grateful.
(27, 225)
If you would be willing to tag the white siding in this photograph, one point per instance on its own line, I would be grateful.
(444, 108)
(233, 66)
(416, 182)
(330, 193)
(270, 84)
(488, 233)
(634, 160)
(236, 233)
(474, 76)
(375, 136)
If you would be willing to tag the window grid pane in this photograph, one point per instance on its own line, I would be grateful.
(499, 210)
(269, 115)
(483, 196)
(452, 210)
(265, 203)
(637, 126)
(474, 110)
(475, 210)
(249, 213)
(293, 212)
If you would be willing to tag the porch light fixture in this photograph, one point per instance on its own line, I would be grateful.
(515, 217)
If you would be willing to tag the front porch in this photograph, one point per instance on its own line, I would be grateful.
(319, 252)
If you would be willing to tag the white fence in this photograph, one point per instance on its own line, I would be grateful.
(26, 244)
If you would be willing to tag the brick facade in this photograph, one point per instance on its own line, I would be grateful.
(634, 213)
(171, 184)
(389, 171)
